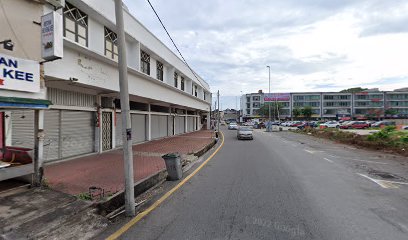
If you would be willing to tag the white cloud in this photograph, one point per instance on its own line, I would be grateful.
(311, 45)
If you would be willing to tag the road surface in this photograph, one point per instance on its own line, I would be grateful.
(285, 186)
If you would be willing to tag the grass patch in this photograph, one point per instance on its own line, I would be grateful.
(387, 139)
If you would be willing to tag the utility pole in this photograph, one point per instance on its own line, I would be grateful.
(124, 103)
(218, 100)
(269, 105)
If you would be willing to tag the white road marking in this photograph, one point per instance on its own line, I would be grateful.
(328, 160)
(355, 159)
(384, 183)
(309, 151)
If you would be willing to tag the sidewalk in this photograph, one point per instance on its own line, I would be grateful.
(106, 170)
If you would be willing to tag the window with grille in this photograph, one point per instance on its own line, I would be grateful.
(175, 79)
(111, 44)
(145, 62)
(75, 24)
(159, 72)
(195, 91)
(182, 83)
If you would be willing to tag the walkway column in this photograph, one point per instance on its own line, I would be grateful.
(208, 121)
(186, 122)
(38, 146)
(149, 123)
(98, 128)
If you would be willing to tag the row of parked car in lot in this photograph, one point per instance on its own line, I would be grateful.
(338, 124)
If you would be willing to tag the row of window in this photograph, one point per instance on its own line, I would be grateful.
(337, 97)
(76, 29)
(336, 104)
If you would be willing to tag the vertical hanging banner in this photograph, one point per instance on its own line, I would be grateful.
(52, 45)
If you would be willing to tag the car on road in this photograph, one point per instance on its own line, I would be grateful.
(331, 124)
(295, 124)
(233, 126)
(359, 125)
(245, 132)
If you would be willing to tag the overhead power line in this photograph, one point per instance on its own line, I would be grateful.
(178, 50)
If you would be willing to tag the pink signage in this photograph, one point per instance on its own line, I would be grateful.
(271, 97)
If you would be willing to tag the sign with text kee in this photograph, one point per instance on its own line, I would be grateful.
(51, 36)
(19, 74)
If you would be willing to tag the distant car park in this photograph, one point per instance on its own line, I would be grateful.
(383, 124)
(331, 124)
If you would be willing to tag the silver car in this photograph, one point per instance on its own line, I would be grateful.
(245, 132)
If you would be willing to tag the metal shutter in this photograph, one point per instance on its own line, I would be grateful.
(118, 130)
(77, 133)
(155, 131)
(190, 124)
(138, 128)
(170, 125)
(163, 126)
(180, 123)
(22, 128)
(52, 135)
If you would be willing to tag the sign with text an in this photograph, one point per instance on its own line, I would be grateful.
(51, 36)
(271, 97)
(19, 74)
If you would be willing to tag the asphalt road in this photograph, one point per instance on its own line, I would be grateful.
(284, 186)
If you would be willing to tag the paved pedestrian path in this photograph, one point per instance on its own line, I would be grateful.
(106, 170)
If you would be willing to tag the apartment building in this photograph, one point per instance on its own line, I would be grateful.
(79, 93)
(372, 103)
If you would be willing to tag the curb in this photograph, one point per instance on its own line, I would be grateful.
(118, 199)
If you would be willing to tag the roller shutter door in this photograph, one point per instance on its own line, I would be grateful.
(22, 128)
(170, 125)
(159, 126)
(77, 133)
(180, 123)
(118, 130)
(190, 124)
(52, 135)
(138, 128)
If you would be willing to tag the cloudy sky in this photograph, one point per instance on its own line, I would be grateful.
(310, 45)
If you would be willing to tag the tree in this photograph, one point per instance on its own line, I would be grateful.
(353, 90)
(296, 112)
(307, 112)
(275, 109)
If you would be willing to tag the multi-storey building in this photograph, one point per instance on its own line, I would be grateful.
(79, 94)
(334, 105)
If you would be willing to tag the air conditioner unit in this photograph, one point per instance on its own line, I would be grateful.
(57, 3)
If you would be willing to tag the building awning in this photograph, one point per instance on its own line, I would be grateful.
(15, 102)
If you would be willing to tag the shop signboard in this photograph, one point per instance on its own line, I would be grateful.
(19, 74)
(272, 97)
(51, 36)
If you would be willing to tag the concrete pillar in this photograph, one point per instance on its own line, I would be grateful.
(8, 128)
(186, 122)
(39, 135)
(149, 123)
(98, 127)
(208, 121)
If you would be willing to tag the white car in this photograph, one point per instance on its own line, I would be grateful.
(245, 132)
(331, 124)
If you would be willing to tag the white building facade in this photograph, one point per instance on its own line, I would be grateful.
(83, 116)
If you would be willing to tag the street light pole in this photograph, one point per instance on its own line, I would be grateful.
(124, 103)
(219, 117)
(270, 120)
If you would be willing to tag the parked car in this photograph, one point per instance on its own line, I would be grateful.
(331, 124)
(359, 125)
(404, 128)
(307, 124)
(245, 132)
(383, 124)
(346, 124)
(232, 126)
(295, 124)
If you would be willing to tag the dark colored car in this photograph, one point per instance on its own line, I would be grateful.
(307, 124)
(360, 125)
